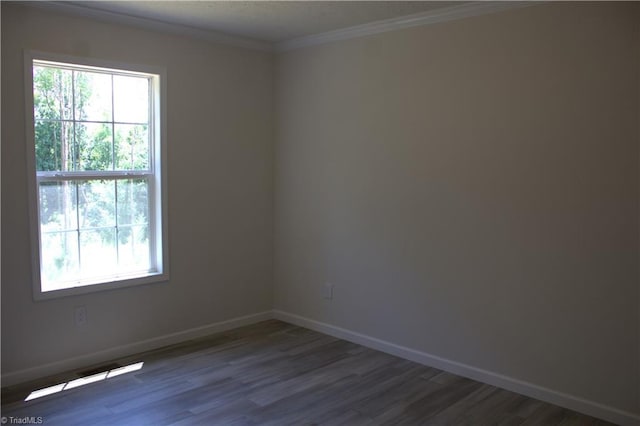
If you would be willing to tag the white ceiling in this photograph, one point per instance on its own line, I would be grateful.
(269, 21)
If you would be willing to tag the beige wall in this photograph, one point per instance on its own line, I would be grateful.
(220, 142)
(471, 190)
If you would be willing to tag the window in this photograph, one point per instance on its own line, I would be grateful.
(96, 164)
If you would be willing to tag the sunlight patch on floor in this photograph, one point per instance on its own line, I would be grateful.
(84, 381)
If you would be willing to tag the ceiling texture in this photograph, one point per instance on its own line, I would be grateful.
(270, 21)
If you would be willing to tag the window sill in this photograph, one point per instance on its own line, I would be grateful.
(84, 288)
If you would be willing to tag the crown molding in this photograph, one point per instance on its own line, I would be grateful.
(464, 10)
(152, 24)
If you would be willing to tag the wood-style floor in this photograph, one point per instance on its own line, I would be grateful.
(273, 373)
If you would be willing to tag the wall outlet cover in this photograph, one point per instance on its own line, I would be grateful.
(80, 315)
(327, 291)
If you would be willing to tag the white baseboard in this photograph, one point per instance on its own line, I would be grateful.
(20, 376)
(571, 402)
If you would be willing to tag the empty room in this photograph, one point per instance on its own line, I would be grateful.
(320, 213)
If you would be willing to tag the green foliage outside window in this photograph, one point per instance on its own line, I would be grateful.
(75, 131)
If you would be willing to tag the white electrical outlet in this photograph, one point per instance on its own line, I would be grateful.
(81, 316)
(327, 291)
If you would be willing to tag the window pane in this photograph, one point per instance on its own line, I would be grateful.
(54, 146)
(133, 202)
(97, 200)
(94, 144)
(132, 147)
(131, 99)
(58, 205)
(52, 93)
(59, 259)
(98, 256)
(133, 248)
(92, 96)
(95, 225)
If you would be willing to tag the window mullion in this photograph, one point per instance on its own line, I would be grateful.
(113, 127)
(52, 177)
(78, 225)
(115, 210)
(73, 116)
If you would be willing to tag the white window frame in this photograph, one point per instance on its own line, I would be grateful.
(158, 182)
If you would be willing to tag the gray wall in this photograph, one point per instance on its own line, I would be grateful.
(220, 142)
(471, 189)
